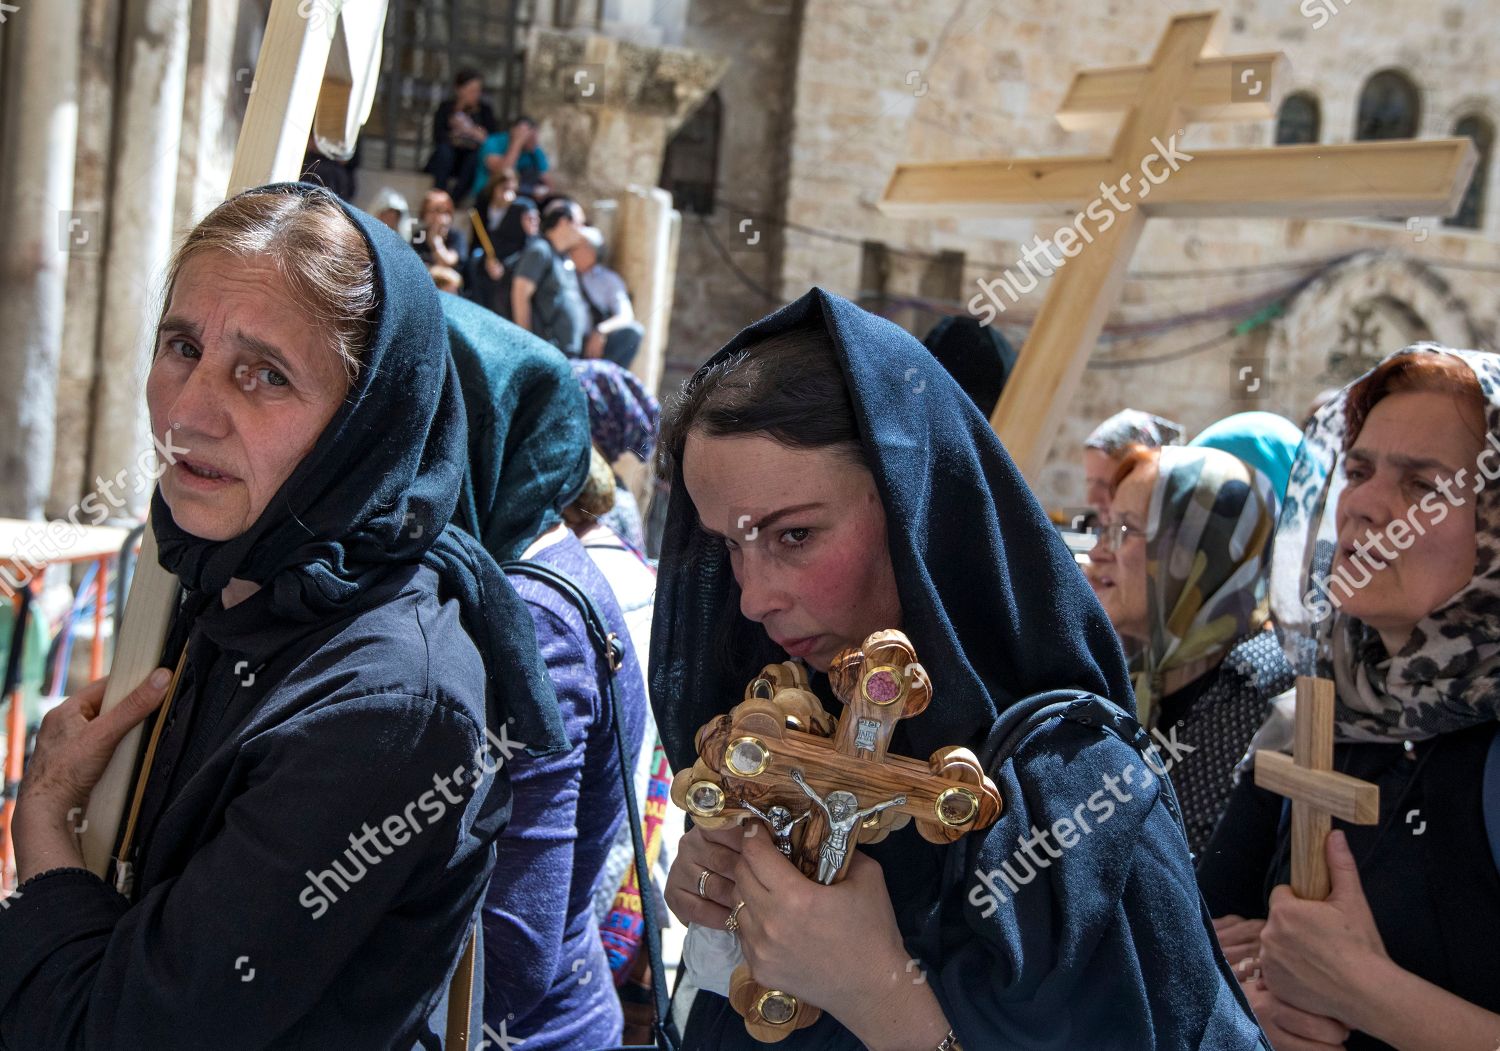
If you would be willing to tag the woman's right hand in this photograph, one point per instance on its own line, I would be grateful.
(716, 850)
(1289, 1028)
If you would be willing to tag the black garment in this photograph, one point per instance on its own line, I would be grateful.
(1426, 867)
(1103, 946)
(256, 921)
(381, 645)
(340, 177)
(509, 238)
(1207, 726)
(453, 163)
(978, 356)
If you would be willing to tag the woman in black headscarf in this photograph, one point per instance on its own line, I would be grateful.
(830, 480)
(317, 828)
(486, 281)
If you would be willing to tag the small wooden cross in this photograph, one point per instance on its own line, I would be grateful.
(1317, 792)
(1186, 80)
(836, 781)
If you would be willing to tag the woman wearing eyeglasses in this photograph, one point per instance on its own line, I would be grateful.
(1181, 569)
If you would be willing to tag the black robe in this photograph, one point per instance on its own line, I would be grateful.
(384, 649)
(1104, 946)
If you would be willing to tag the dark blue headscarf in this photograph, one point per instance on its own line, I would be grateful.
(991, 597)
(377, 491)
(1104, 947)
(528, 429)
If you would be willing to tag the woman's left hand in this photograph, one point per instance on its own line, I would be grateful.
(807, 939)
(1314, 953)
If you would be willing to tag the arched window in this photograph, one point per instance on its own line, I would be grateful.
(1389, 107)
(1299, 120)
(1470, 213)
(691, 165)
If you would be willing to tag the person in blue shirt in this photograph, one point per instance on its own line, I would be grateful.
(516, 150)
(317, 829)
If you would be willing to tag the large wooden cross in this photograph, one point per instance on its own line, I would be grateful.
(318, 62)
(824, 787)
(1185, 81)
(1317, 792)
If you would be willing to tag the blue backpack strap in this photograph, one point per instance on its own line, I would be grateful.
(1491, 797)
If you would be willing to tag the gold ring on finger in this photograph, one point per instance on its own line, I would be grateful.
(703, 882)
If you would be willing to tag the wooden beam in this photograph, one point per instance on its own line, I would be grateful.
(1098, 97)
(1399, 178)
(1080, 295)
(1345, 797)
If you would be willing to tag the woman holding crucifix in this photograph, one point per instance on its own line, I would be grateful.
(831, 480)
(1387, 581)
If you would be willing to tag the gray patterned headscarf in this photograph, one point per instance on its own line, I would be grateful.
(1133, 427)
(1447, 676)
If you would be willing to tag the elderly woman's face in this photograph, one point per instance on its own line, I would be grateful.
(806, 536)
(246, 385)
(1118, 574)
(1410, 440)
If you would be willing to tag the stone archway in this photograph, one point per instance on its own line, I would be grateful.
(1349, 318)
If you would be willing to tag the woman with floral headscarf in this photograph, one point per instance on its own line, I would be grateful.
(1180, 567)
(1387, 581)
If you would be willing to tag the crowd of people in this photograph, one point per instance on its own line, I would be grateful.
(495, 229)
(411, 531)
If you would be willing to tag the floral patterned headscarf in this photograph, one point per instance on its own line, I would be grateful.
(1208, 533)
(1447, 676)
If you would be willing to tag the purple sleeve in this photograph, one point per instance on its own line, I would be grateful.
(526, 907)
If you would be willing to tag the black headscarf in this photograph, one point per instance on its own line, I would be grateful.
(377, 491)
(991, 598)
(528, 429)
(510, 236)
(978, 356)
(1104, 946)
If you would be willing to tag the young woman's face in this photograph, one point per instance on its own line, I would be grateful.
(806, 535)
(1409, 441)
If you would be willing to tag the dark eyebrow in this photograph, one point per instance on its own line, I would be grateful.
(769, 520)
(177, 323)
(256, 345)
(1401, 460)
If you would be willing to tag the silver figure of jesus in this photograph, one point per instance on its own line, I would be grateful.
(781, 821)
(842, 811)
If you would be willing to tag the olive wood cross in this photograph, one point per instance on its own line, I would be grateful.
(829, 785)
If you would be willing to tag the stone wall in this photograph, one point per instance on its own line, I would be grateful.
(923, 80)
(758, 37)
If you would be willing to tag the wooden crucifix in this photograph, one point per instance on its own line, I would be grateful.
(1186, 80)
(318, 61)
(824, 787)
(1317, 792)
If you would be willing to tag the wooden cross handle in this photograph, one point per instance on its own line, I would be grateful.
(1318, 793)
